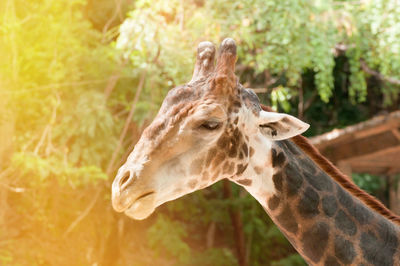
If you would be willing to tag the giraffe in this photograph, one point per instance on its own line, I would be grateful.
(212, 128)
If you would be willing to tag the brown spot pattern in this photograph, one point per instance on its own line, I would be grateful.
(192, 183)
(218, 159)
(196, 166)
(245, 182)
(258, 170)
(240, 169)
(251, 151)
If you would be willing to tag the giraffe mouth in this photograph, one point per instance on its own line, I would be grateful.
(144, 195)
(142, 206)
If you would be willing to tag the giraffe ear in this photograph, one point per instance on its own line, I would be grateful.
(276, 126)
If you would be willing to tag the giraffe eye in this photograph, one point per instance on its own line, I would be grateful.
(210, 125)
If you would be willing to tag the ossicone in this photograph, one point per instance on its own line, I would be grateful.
(204, 61)
(225, 80)
(222, 77)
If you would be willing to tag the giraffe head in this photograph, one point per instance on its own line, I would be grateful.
(205, 131)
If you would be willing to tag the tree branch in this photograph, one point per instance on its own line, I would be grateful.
(310, 100)
(127, 122)
(112, 81)
(236, 220)
(372, 72)
(300, 106)
(83, 214)
(210, 235)
(113, 17)
(47, 131)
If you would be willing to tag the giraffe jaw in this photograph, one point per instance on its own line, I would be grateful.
(142, 208)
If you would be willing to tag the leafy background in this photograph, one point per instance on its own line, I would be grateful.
(80, 79)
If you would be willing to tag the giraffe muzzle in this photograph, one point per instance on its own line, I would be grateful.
(132, 195)
(120, 198)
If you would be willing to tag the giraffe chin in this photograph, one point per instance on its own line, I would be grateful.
(142, 208)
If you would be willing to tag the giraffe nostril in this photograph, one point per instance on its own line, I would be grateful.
(124, 181)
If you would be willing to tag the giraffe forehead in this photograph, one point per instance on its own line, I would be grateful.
(181, 94)
(195, 102)
(175, 106)
(184, 115)
(167, 122)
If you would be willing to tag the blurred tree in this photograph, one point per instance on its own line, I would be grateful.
(53, 72)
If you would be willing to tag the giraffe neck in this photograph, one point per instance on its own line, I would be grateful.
(324, 222)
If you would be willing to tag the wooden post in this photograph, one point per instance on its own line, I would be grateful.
(394, 193)
(236, 219)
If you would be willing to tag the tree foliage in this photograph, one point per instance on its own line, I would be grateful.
(70, 72)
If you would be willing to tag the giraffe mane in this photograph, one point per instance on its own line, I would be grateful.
(343, 180)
